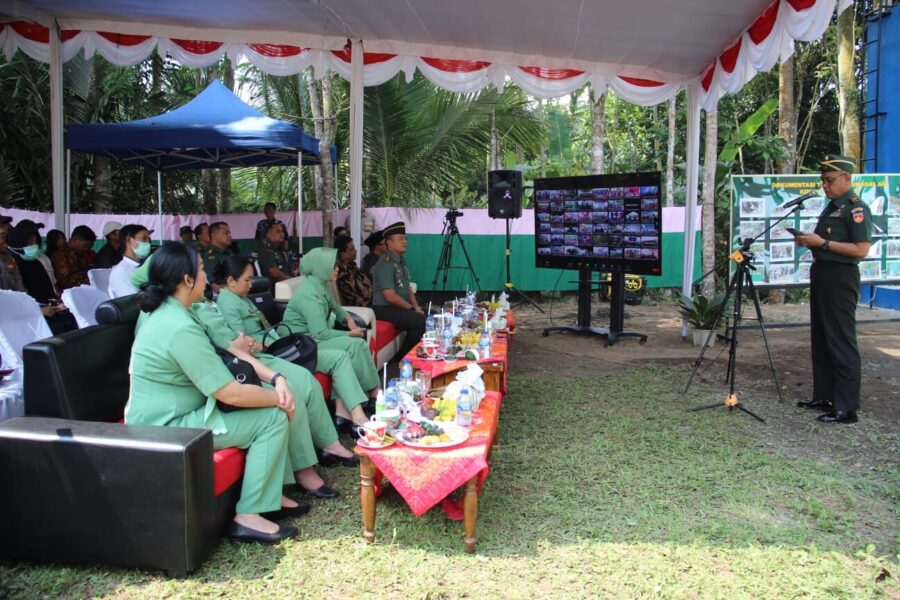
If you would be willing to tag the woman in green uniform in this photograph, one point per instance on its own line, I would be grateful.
(234, 276)
(309, 311)
(177, 380)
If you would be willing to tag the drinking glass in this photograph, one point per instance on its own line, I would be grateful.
(424, 383)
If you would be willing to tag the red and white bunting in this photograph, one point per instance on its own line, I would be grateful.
(758, 48)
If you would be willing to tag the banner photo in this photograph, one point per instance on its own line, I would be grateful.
(756, 206)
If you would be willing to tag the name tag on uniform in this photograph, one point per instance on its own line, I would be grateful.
(835, 213)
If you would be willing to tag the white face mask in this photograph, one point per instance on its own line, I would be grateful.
(142, 250)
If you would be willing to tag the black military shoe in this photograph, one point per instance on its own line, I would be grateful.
(816, 405)
(838, 416)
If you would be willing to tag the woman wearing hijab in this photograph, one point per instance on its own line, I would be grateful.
(309, 312)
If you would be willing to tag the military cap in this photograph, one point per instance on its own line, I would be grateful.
(375, 238)
(398, 228)
(834, 162)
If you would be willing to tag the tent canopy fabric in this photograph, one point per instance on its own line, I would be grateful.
(215, 129)
(644, 50)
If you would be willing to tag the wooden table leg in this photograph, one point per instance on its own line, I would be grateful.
(367, 496)
(470, 513)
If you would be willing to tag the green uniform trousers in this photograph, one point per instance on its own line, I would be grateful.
(837, 369)
(352, 369)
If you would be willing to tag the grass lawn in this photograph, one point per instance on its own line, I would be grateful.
(600, 488)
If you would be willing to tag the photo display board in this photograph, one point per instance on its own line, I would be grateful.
(609, 223)
(756, 204)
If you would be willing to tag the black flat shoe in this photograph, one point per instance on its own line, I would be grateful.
(839, 416)
(239, 533)
(288, 512)
(816, 405)
(343, 425)
(327, 459)
(323, 493)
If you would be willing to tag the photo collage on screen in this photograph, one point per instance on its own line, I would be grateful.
(604, 223)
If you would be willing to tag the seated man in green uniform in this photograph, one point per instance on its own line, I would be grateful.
(392, 298)
(218, 250)
(841, 238)
(274, 263)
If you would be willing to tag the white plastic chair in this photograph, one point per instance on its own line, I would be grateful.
(83, 301)
(99, 279)
(21, 323)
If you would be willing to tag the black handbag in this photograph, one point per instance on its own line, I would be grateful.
(242, 371)
(294, 347)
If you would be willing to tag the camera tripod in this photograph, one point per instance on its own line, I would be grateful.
(445, 261)
(736, 289)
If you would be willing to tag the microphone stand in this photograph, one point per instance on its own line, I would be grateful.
(742, 277)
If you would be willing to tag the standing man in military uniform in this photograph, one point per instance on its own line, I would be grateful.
(392, 298)
(841, 238)
(218, 250)
(274, 263)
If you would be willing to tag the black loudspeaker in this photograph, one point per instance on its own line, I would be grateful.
(505, 194)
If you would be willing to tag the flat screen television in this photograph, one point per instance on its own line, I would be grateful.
(610, 223)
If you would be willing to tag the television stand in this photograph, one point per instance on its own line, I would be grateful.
(616, 311)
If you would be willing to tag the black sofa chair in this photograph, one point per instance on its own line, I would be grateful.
(78, 487)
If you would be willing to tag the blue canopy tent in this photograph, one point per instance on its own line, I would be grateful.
(214, 130)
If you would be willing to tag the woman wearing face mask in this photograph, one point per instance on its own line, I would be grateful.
(23, 241)
(235, 275)
(134, 240)
(309, 311)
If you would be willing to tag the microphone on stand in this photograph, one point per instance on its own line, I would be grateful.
(799, 200)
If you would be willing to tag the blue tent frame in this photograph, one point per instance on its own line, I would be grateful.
(214, 130)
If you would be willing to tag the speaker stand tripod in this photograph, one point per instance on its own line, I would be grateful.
(508, 286)
(736, 289)
(445, 261)
(616, 311)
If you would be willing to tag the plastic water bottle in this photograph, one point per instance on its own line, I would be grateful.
(429, 323)
(392, 398)
(379, 401)
(464, 409)
(484, 343)
(446, 339)
(406, 371)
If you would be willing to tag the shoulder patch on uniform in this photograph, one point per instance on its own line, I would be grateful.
(857, 209)
(859, 215)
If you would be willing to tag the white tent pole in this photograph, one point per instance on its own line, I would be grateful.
(300, 202)
(68, 205)
(159, 202)
(356, 141)
(56, 129)
(690, 211)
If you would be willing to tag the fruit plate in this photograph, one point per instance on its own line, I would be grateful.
(387, 444)
(457, 436)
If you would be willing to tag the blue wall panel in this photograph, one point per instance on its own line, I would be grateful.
(887, 151)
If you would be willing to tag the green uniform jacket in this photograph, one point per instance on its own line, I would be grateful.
(213, 257)
(389, 273)
(309, 309)
(242, 315)
(845, 219)
(174, 370)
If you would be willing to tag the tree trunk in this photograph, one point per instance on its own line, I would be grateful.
(787, 116)
(208, 187)
(543, 150)
(315, 109)
(708, 218)
(325, 168)
(494, 160)
(848, 95)
(598, 134)
(670, 152)
(102, 194)
(657, 144)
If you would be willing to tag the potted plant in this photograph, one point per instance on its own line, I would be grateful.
(700, 312)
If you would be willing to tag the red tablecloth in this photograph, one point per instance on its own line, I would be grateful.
(436, 368)
(425, 477)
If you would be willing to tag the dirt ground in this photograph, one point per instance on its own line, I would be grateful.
(873, 444)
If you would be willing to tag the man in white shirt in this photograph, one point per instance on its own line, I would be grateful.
(134, 240)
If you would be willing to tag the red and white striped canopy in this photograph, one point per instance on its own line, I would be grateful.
(644, 50)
